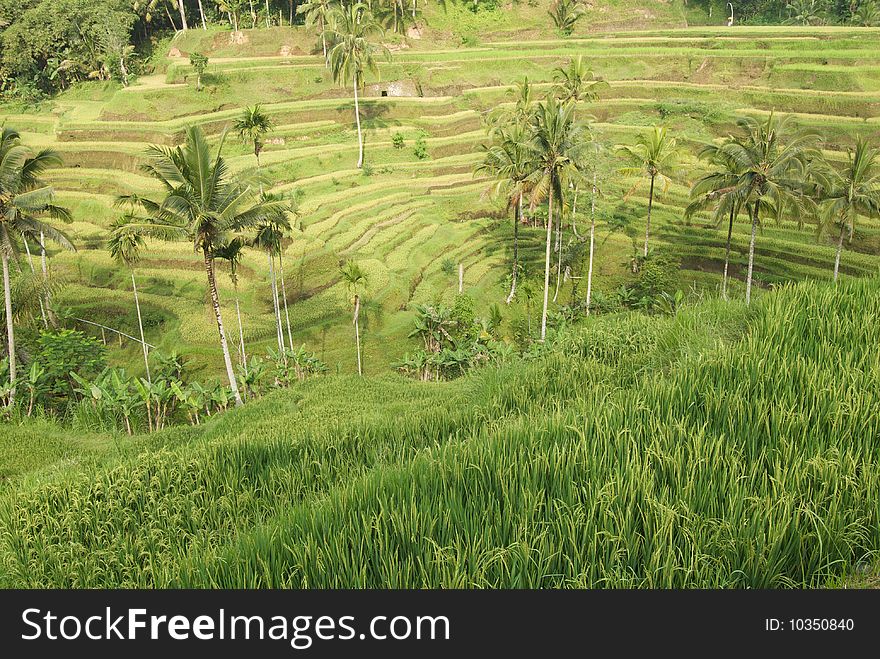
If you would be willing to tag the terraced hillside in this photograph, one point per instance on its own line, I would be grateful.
(411, 221)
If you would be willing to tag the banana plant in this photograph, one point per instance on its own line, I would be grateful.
(35, 385)
(253, 376)
(192, 401)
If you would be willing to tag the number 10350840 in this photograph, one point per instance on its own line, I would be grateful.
(809, 624)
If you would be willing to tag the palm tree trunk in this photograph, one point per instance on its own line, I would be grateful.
(137, 305)
(357, 116)
(202, 13)
(253, 15)
(284, 297)
(574, 207)
(182, 14)
(10, 333)
(357, 330)
(547, 265)
(592, 246)
(170, 20)
(752, 254)
(275, 302)
(45, 266)
(650, 206)
(267, 13)
(558, 249)
(839, 250)
(34, 272)
(215, 303)
(324, 41)
(727, 255)
(517, 218)
(241, 338)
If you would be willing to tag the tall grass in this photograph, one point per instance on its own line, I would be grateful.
(723, 447)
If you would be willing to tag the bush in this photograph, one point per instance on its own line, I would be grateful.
(397, 140)
(64, 351)
(421, 148)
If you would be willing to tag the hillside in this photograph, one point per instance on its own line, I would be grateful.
(722, 447)
(410, 221)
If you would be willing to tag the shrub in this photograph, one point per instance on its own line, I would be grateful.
(64, 351)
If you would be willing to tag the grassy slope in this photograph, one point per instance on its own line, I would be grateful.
(721, 447)
(411, 217)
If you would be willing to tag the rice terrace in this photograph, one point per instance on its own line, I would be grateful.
(426, 294)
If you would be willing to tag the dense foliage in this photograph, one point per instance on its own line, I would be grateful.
(717, 448)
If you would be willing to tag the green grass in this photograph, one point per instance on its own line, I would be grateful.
(718, 448)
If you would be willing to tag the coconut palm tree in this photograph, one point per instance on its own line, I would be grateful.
(232, 252)
(576, 81)
(252, 127)
(202, 204)
(355, 280)
(125, 246)
(317, 12)
(353, 54)
(851, 192)
(23, 196)
(268, 237)
(558, 148)
(656, 155)
(772, 161)
(508, 159)
(718, 188)
(565, 14)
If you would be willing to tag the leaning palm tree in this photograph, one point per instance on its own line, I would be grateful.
(656, 155)
(23, 196)
(851, 192)
(558, 148)
(354, 54)
(252, 127)
(718, 189)
(125, 246)
(576, 81)
(202, 204)
(508, 160)
(773, 164)
(355, 280)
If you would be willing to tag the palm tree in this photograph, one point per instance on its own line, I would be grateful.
(718, 188)
(803, 12)
(317, 12)
(23, 195)
(508, 159)
(772, 168)
(232, 252)
(203, 204)
(355, 280)
(576, 82)
(851, 192)
(268, 237)
(565, 14)
(656, 155)
(558, 147)
(353, 54)
(252, 126)
(125, 246)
